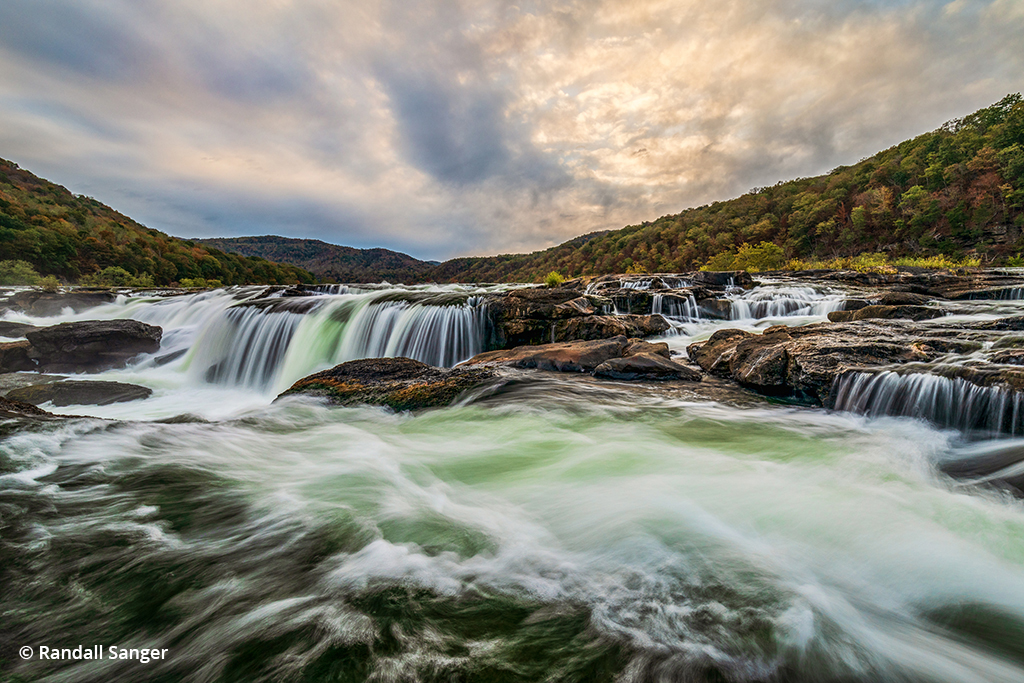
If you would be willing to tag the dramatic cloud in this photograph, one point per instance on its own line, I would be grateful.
(452, 127)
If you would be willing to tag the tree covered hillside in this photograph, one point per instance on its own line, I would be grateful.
(73, 236)
(329, 262)
(957, 191)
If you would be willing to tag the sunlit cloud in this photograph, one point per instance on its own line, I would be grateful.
(451, 128)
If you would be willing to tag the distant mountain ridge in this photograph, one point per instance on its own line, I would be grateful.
(74, 237)
(328, 261)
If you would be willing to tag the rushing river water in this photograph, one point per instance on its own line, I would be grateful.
(560, 529)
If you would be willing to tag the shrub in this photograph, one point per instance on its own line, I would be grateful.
(553, 279)
(18, 273)
(49, 284)
(200, 283)
(116, 276)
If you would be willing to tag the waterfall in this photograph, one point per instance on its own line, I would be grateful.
(636, 284)
(265, 347)
(231, 337)
(1012, 294)
(676, 308)
(949, 402)
(776, 302)
(243, 347)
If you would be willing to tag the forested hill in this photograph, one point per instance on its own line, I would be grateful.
(328, 261)
(957, 191)
(74, 237)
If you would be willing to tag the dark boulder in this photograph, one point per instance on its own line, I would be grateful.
(645, 366)
(719, 309)
(91, 345)
(14, 330)
(904, 299)
(80, 393)
(577, 356)
(399, 383)
(40, 303)
(725, 278)
(605, 326)
(14, 357)
(887, 313)
(11, 408)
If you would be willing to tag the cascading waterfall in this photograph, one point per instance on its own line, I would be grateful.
(264, 347)
(775, 302)
(676, 308)
(244, 347)
(949, 402)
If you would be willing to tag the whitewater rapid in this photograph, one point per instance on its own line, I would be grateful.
(562, 529)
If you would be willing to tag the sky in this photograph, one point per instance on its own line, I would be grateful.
(446, 128)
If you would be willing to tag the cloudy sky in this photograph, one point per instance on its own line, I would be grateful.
(457, 127)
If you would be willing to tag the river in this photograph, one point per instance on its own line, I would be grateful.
(562, 529)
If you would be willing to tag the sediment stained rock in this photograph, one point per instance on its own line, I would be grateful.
(398, 383)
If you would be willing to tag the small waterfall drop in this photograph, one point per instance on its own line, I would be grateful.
(674, 307)
(777, 302)
(263, 346)
(949, 402)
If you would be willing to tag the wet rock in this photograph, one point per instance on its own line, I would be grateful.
(91, 345)
(904, 299)
(887, 313)
(605, 326)
(10, 408)
(636, 346)
(577, 356)
(14, 357)
(719, 309)
(738, 278)
(80, 393)
(14, 330)
(399, 383)
(804, 361)
(855, 304)
(1008, 357)
(16, 380)
(40, 303)
(715, 354)
(645, 366)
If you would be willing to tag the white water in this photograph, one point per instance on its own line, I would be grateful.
(780, 300)
(523, 536)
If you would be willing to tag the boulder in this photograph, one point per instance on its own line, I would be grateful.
(14, 330)
(714, 354)
(804, 361)
(14, 357)
(10, 408)
(725, 278)
(578, 356)
(636, 346)
(887, 313)
(80, 393)
(904, 299)
(605, 326)
(39, 303)
(719, 309)
(645, 365)
(399, 383)
(91, 345)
